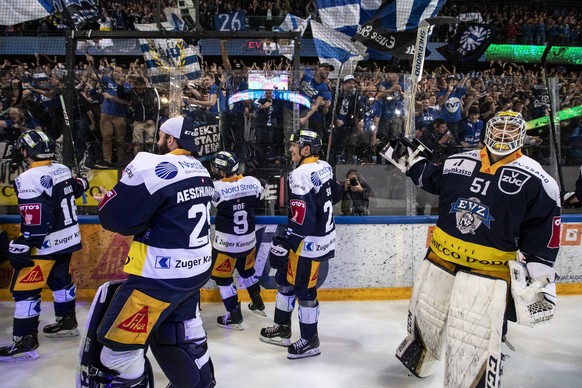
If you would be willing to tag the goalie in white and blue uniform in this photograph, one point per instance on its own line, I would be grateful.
(493, 204)
(164, 201)
(234, 246)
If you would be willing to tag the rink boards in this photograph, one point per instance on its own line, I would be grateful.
(376, 257)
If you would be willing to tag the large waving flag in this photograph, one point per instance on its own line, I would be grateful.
(394, 26)
(290, 23)
(469, 43)
(20, 11)
(336, 49)
(162, 56)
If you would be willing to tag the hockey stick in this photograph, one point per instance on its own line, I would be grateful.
(552, 123)
(70, 131)
(418, 62)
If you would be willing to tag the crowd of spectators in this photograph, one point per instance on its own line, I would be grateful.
(452, 105)
(522, 22)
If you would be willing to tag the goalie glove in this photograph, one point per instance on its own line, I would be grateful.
(404, 153)
(570, 199)
(279, 254)
(533, 289)
(19, 254)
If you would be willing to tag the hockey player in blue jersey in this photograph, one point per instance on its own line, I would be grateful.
(41, 254)
(236, 198)
(309, 240)
(164, 201)
(495, 206)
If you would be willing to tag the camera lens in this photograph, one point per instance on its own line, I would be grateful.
(353, 182)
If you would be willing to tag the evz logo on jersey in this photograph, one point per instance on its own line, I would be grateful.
(298, 211)
(470, 214)
(31, 213)
(511, 180)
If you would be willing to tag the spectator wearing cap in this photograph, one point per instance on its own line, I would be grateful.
(344, 118)
(45, 93)
(143, 108)
(314, 87)
(450, 99)
(472, 129)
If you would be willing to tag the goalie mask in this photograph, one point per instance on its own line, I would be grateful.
(226, 162)
(304, 138)
(505, 133)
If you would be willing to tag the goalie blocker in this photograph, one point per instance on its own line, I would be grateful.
(404, 153)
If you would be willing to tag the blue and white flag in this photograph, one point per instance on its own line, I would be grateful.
(20, 11)
(290, 23)
(394, 26)
(336, 48)
(164, 56)
(78, 13)
(469, 43)
(174, 19)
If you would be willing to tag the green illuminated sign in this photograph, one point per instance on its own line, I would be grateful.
(562, 55)
(564, 114)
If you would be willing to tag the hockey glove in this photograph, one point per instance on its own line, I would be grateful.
(404, 153)
(19, 254)
(533, 289)
(279, 254)
(570, 199)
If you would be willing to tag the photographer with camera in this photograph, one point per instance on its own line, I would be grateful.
(357, 192)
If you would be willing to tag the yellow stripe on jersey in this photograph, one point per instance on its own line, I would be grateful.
(136, 258)
(469, 254)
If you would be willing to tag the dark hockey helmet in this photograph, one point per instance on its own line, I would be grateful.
(304, 137)
(37, 144)
(226, 162)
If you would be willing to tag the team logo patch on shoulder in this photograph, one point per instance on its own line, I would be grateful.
(459, 166)
(298, 209)
(46, 181)
(166, 170)
(30, 213)
(470, 214)
(315, 179)
(511, 180)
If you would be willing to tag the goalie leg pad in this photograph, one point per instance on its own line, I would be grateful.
(427, 316)
(182, 352)
(90, 370)
(474, 331)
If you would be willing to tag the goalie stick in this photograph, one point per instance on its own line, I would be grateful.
(552, 123)
(418, 62)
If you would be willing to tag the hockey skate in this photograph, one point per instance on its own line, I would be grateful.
(258, 309)
(277, 335)
(304, 348)
(64, 327)
(23, 349)
(257, 306)
(231, 320)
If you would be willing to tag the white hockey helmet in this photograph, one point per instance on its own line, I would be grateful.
(505, 133)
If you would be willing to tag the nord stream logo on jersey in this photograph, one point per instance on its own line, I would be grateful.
(511, 180)
(136, 319)
(163, 262)
(166, 170)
